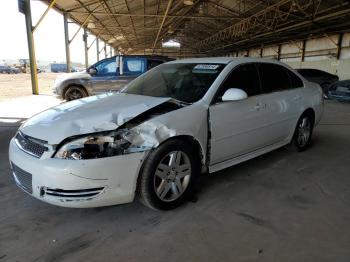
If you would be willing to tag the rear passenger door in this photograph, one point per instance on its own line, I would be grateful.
(132, 68)
(281, 95)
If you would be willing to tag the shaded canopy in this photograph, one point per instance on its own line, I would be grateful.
(208, 27)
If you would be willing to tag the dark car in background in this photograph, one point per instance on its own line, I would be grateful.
(340, 91)
(324, 79)
(4, 69)
(110, 74)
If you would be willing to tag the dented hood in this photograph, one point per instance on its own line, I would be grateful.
(92, 114)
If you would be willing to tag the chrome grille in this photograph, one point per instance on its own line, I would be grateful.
(23, 179)
(30, 145)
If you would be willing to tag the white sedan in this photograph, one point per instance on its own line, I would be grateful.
(156, 136)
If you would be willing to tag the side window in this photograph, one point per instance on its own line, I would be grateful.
(106, 68)
(134, 66)
(273, 78)
(295, 81)
(153, 63)
(244, 77)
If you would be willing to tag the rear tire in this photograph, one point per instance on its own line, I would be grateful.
(168, 175)
(303, 133)
(75, 92)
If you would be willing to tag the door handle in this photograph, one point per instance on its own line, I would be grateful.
(259, 106)
(297, 98)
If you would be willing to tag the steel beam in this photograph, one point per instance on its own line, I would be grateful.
(162, 23)
(339, 45)
(31, 48)
(303, 51)
(98, 49)
(66, 41)
(85, 36)
(279, 53)
(268, 19)
(204, 17)
(43, 15)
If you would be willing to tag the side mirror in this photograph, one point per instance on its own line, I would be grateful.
(234, 94)
(92, 71)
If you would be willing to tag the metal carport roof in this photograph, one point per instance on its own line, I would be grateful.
(210, 27)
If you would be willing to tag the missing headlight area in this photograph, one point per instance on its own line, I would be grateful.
(135, 135)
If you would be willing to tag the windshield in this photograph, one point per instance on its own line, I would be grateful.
(182, 81)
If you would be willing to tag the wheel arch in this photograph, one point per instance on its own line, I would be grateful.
(310, 112)
(73, 84)
(191, 140)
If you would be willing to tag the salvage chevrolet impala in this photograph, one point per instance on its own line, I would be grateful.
(156, 136)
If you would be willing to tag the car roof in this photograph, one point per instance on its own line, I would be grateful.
(159, 57)
(225, 60)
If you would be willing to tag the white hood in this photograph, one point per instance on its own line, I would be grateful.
(96, 113)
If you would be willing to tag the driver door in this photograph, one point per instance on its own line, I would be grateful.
(106, 74)
(237, 127)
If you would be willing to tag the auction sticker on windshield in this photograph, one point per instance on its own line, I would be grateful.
(206, 67)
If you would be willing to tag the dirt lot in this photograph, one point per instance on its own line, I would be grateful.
(16, 85)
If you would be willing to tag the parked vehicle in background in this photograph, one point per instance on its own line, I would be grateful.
(4, 69)
(324, 79)
(153, 138)
(340, 91)
(110, 74)
(15, 70)
(58, 68)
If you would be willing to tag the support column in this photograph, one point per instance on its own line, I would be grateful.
(85, 36)
(66, 41)
(110, 51)
(31, 49)
(105, 49)
(261, 51)
(279, 53)
(98, 49)
(303, 51)
(340, 41)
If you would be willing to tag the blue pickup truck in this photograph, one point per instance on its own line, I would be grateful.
(110, 74)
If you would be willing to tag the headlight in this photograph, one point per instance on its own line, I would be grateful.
(99, 146)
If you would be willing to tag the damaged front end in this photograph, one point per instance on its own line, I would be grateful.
(136, 135)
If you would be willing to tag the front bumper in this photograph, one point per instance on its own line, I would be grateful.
(77, 183)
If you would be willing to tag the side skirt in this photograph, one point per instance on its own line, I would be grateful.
(245, 157)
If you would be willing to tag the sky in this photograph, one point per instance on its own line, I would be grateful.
(48, 38)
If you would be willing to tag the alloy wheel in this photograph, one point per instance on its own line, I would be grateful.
(75, 93)
(304, 132)
(172, 176)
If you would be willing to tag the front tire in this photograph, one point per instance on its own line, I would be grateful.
(303, 133)
(74, 92)
(168, 175)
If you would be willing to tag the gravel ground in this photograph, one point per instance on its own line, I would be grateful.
(17, 85)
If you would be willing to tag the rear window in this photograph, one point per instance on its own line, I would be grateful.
(295, 81)
(273, 78)
(134, 66)
(153, 63)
